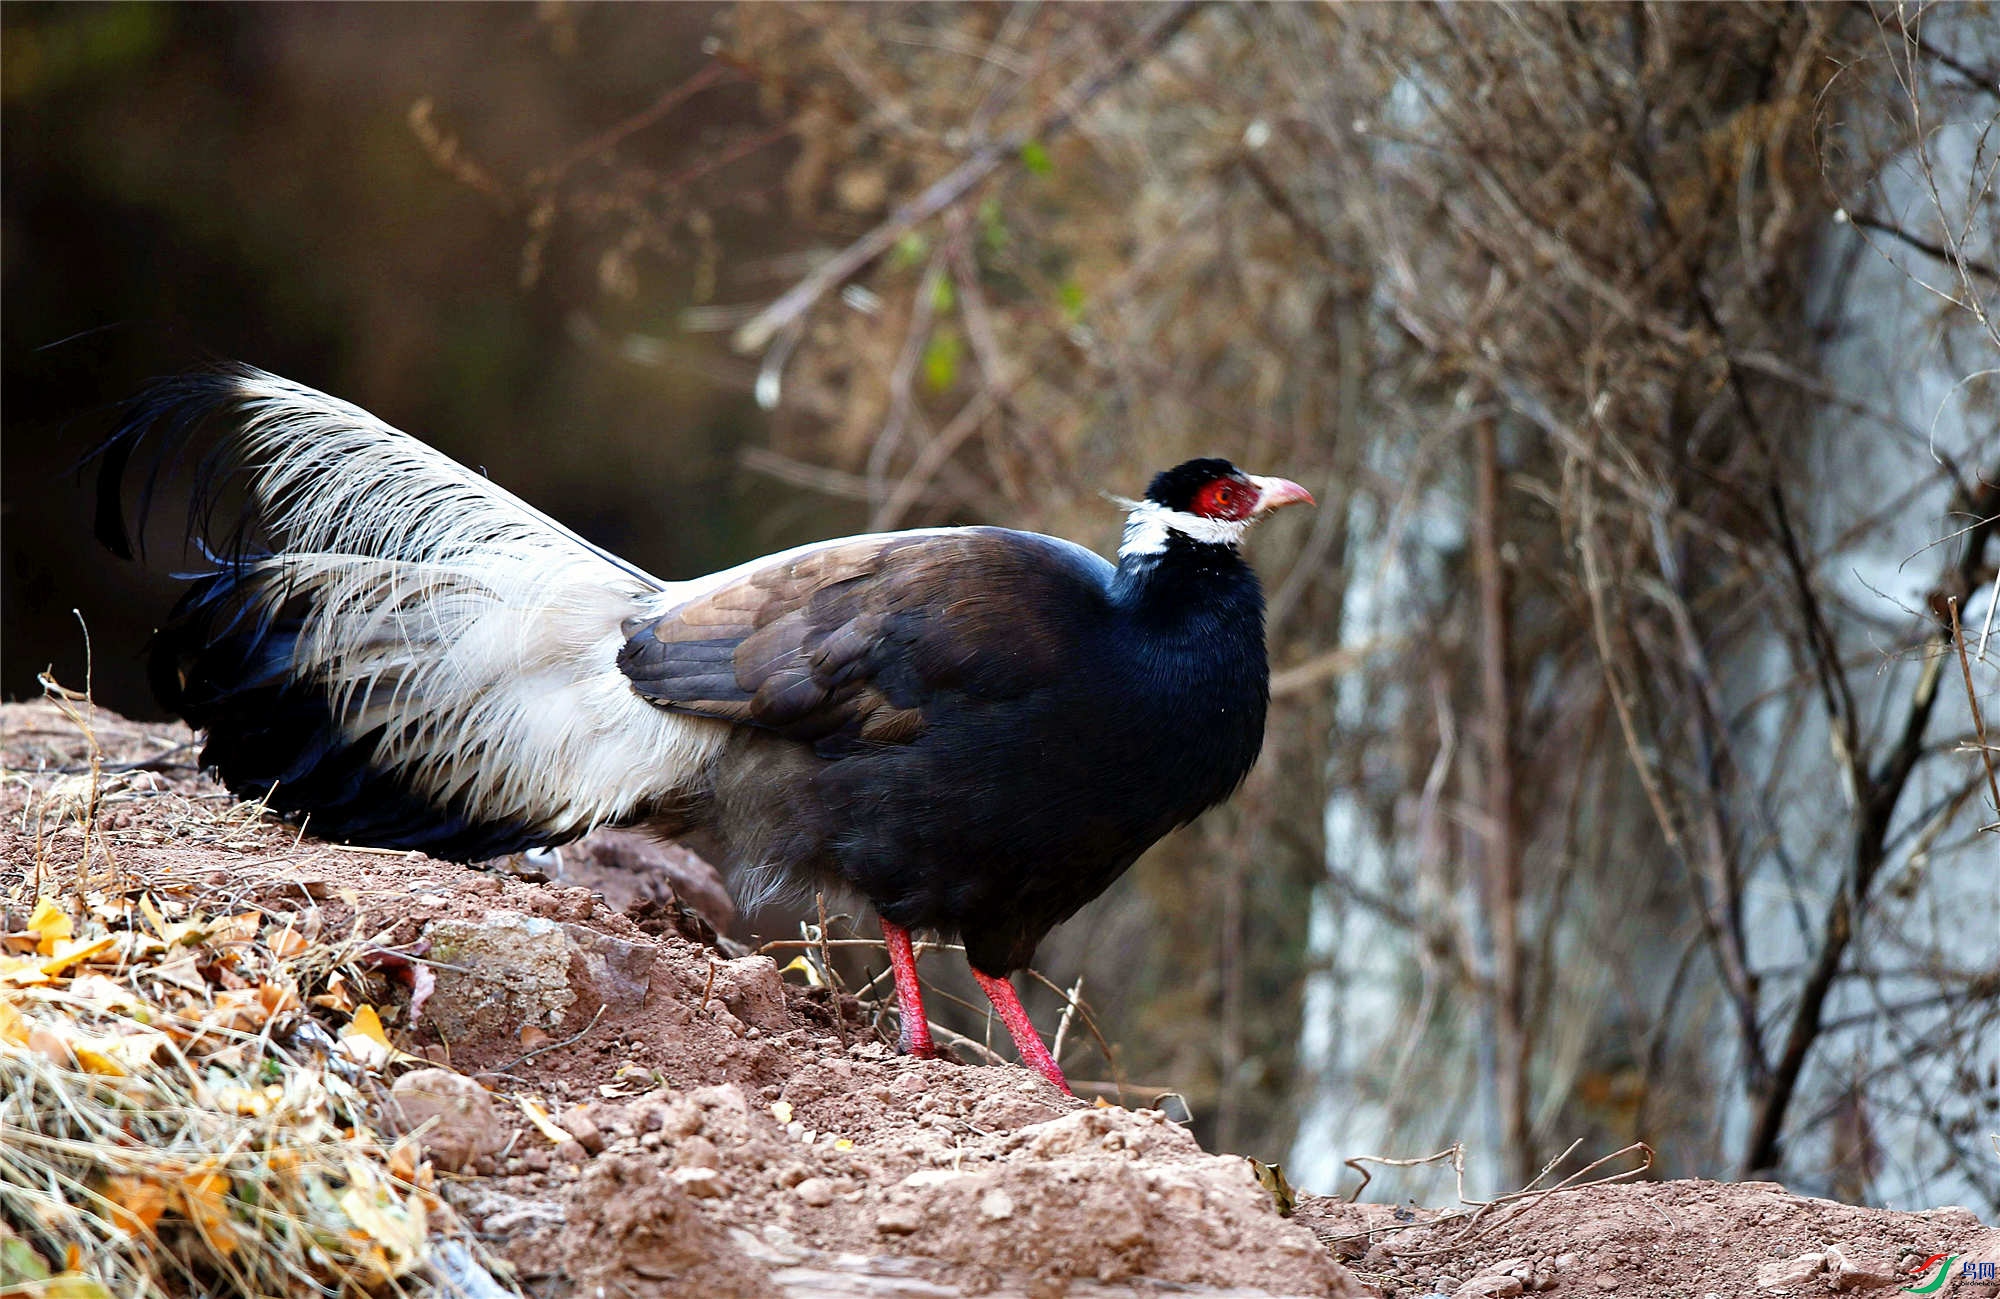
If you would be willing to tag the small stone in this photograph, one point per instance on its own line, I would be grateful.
(702, 1183)
(898, 1220)
(1518, 1267)
(464, 1127)
(816, 1191)
(1604, 1281)
(1488, 1287)
(1566, 1261)
(581, 1126)
(536, 1159)
(697, 1152)
(572, 1151)
(792, 1174)
(996, 1205)
(1790, 1273)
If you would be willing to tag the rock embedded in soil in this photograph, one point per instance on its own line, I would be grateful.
(702, 1183)
(1791, 1274)
(754, 992)
(1851, 1269)
(497, 974)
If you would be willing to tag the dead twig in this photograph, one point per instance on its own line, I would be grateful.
(1165, 23)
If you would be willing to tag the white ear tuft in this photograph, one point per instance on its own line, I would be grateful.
(1150, 526)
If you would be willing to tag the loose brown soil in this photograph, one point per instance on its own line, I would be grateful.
(715, 1127)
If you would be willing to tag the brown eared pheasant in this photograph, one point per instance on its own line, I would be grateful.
(975, 729)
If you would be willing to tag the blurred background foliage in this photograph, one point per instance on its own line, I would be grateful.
(1623, 780)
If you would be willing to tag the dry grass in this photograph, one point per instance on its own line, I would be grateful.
(189, 1088)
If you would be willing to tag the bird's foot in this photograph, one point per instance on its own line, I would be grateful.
(916, 1033)
(1026, 1040)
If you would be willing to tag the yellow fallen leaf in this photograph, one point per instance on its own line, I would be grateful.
(72, 1285)
(781, 1111)
(843, 1143)
(540, 1118)
(51, 924)
(21, 971)
(368, 1023)
(71, 950)
(170, 932)
(91, 1058)
(278, 997)
(100, 993)
(805, 967)
(13, 1024)
(286, 943)
(396, 1225)
(136, 1202)
(135, 1050)
(204, 1199)
(366, 1043)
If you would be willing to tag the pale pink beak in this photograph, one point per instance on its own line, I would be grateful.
(1273, 493)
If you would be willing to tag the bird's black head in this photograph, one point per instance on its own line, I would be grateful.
(1204, 502)
(1177, 488)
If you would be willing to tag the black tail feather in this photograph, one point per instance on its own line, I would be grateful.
(166, 419)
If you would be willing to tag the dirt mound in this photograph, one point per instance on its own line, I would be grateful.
(1660, 1240)
(631, 1110)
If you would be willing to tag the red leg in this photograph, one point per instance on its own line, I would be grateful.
(1026, 1040)
(909, 996)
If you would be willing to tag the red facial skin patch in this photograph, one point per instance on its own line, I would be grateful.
(1226, 498)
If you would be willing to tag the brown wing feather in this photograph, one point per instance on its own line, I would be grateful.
(849, 642)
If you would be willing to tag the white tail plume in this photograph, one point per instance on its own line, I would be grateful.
(476, 633)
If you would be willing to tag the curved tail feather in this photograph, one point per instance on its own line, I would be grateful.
(388, 644)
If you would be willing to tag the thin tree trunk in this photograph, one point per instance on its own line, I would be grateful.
(1502, 858)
